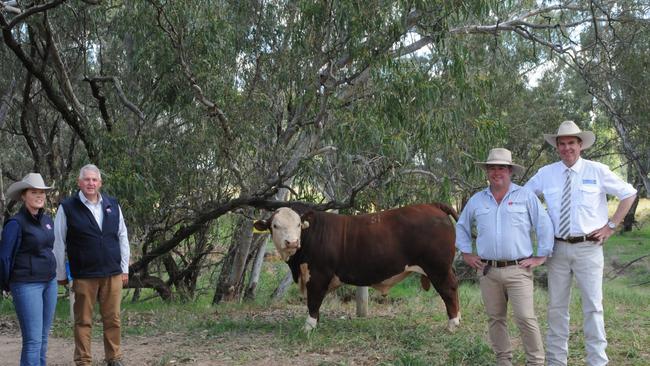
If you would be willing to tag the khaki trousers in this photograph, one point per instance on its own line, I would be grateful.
(514, 285)
(108, 292)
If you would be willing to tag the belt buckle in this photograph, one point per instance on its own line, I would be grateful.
(578, 239)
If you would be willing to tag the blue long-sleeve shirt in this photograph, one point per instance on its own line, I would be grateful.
(503, 230)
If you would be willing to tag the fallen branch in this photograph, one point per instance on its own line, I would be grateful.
(618, 271)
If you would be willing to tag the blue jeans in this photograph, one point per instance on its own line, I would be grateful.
(35, 303)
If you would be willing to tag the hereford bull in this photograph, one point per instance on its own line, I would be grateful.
(379, 250)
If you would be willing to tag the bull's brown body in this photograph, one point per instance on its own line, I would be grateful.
(376, 250)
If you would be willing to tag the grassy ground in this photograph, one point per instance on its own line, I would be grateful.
(405, 329)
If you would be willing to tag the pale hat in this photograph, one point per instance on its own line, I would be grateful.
(31, 180)
(569, 128)
(501, 156)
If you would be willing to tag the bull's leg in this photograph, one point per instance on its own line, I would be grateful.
(447, 287)
(316, 291)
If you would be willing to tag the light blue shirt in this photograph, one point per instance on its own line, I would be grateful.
(504, 230)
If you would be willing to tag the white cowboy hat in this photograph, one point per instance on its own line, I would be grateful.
(569, 128)
(501, 156)
(31, 180)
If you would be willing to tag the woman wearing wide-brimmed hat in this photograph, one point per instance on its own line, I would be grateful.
(28, 266)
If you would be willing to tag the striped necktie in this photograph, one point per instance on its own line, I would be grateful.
(565, 211)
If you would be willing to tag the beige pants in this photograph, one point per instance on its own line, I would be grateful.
(108, 291)
(513, 285)
(585, 262)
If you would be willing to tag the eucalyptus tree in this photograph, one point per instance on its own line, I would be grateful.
(200, 110)
(195, 109)
(595, 40)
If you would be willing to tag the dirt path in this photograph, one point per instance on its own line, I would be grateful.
(176, 349)
(137, 351)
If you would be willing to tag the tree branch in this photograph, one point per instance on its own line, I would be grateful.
(120, 93)
(29, 12)
(94, 87)
(66, 111)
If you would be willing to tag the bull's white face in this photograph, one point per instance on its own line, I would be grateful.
(285, 228)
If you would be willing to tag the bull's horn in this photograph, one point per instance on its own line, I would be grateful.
(304, 225)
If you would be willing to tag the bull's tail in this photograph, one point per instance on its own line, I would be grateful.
(447, 209)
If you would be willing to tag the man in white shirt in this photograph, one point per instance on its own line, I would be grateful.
(89, 229)
(504, 214)
(575, 192)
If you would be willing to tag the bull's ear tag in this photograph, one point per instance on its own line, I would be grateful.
(304, 225)
(261, 227)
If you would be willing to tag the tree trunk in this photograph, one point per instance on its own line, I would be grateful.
(232, 271)
(282, 288)
(222, 287)
(136, 295)
(185, 278)
(260, 250)
(152, 282)
(629, 219)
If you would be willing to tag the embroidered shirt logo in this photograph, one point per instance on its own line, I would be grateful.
(108, 210)
(48, 226)
(588, 181)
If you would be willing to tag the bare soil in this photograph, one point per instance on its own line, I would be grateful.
(179, 349)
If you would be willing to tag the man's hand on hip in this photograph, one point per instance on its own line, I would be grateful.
(473, 260)
(602, 234)
(532, 262)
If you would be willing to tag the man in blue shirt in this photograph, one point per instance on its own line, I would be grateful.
(504, 215)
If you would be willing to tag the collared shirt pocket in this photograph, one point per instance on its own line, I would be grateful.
(552, 197)
(483, 219)
(592, 206)
(590, 195)
(517, 213)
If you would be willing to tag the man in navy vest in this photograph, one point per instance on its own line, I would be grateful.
(89, 228)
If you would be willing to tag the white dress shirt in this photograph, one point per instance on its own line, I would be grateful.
(590, 183)
(504, 229)
(61, 230)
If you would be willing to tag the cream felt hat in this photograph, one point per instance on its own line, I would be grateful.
(31, 180)
(501, 156)
(569, 128)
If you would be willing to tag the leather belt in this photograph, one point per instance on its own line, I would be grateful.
(577, 239)
(499, 264)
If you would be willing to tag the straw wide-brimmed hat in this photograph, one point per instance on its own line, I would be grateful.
(501, 156)
(569, 128)
(31, 180)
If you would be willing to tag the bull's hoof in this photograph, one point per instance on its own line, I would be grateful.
(453, 323)
(310, 324)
